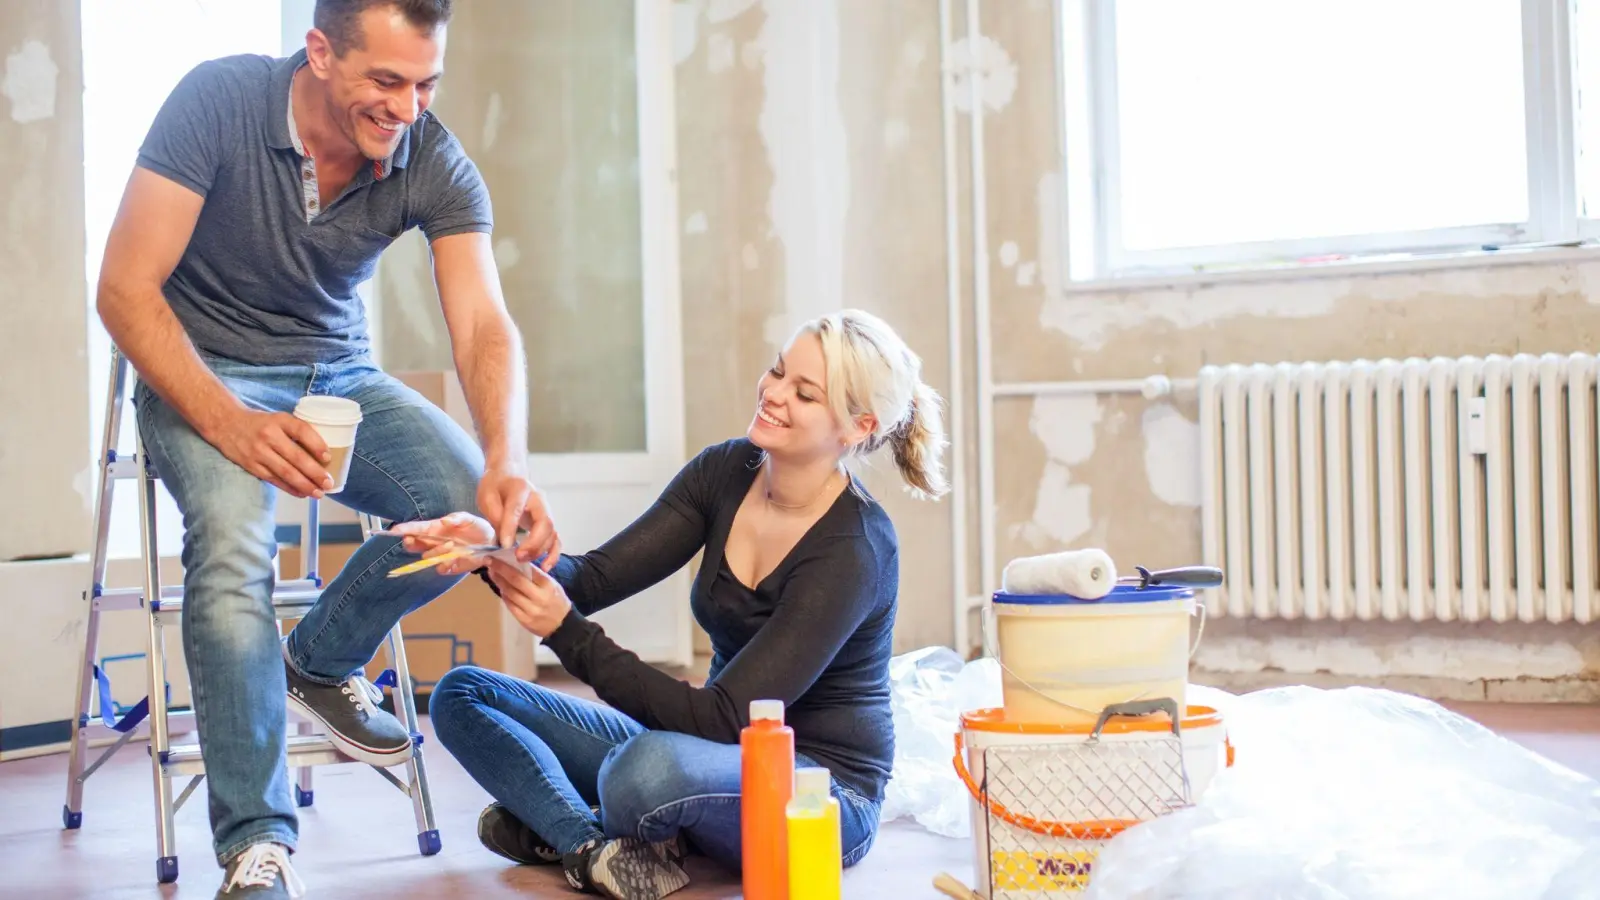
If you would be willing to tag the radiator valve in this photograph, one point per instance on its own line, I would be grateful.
(1156, 386)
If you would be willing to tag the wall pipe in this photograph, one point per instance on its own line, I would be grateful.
(1152, 387)
(980, 309)
(955, 404)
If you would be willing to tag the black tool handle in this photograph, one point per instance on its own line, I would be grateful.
(1183, 576)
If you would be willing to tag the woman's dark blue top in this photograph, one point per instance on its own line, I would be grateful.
(816, 633)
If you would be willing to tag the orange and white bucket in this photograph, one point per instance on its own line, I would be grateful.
(1051, 847)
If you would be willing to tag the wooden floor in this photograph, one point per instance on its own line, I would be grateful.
(357, 841)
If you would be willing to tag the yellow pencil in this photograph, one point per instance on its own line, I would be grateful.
(428, 563)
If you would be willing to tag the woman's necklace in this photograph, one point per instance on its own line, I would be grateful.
(767, 492)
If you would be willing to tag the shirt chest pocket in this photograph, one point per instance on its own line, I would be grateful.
(341, 257)
(346, 247)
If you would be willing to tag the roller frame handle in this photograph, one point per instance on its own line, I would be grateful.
(1182, 576)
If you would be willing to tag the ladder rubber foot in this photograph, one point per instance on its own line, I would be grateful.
(428, 842)
(302, 798)
(167, 869)
(70, 820)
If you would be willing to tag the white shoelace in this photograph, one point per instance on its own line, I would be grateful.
(363, 693)
(256, 869)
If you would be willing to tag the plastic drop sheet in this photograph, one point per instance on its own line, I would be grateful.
(1348, 794)
(929, 689)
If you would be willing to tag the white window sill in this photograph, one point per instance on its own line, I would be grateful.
(1345, 268)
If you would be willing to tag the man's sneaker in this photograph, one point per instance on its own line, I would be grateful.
(350, 716)
(260, 871)
(505, 835)
(623, 869)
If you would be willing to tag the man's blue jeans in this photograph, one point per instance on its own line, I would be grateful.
(410, 462)
(548, 757)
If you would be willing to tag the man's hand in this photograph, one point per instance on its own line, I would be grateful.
(510, 502)
(436, 537)
(276, 448)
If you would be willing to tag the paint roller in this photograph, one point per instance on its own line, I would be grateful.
(1090, 574)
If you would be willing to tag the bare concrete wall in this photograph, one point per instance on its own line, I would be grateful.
(1121, 473)
(44, 438)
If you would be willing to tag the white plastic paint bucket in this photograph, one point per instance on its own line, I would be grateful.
(1028, 841)
(1064, 659)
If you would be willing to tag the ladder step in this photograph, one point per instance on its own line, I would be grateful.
(292, 596)
(304, 750)
(124, 467)
(112, 599)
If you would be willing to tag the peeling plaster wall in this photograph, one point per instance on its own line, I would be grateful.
(811, 174)
(1120, 472)
(44, 444)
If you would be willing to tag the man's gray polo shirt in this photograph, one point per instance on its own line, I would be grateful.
(261, 281)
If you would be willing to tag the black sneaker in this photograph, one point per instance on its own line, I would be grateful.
(260, 871)
(673, 850)
(623, 869)
(505, 835)
(509, 837)
(350, 716)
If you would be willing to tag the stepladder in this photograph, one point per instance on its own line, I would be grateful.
(102, 727)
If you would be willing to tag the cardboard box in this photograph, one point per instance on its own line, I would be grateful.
(40, 650)
(443, 389)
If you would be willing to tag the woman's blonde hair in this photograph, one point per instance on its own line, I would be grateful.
(871, 370)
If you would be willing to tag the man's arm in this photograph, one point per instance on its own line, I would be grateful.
(489, 359)
(485, 345)
(152, 228)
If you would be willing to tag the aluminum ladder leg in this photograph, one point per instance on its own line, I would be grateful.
(96, 717)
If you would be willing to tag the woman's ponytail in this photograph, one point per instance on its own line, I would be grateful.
(919, 442)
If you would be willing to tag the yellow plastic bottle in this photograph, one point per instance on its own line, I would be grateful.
(816, 860)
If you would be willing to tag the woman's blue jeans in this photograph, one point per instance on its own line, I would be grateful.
(549, 757)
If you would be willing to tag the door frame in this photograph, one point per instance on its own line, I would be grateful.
(661, 303)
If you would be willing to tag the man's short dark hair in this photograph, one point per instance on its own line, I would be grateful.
(340, 20)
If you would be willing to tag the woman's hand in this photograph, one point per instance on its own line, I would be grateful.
(536, 600)
(435, 537)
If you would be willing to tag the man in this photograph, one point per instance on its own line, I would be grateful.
(263, 195)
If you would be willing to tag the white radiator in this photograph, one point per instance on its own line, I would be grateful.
(1445, 489)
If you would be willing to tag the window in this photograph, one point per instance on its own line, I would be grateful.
(1216, 134)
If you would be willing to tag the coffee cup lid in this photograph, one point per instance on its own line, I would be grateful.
(325, 410)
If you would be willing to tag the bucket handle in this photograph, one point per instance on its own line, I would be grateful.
(1138, 708)
(1090, 830)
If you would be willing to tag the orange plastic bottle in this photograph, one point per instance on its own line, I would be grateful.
(766, 748)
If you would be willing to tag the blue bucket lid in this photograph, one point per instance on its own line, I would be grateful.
(1122, 593)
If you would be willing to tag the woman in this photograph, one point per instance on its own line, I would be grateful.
(797, 591)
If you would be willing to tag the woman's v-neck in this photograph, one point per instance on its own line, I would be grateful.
(788, 558)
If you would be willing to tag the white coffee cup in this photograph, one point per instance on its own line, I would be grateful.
(335, 418)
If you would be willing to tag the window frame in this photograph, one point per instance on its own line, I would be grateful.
(1091, 227)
